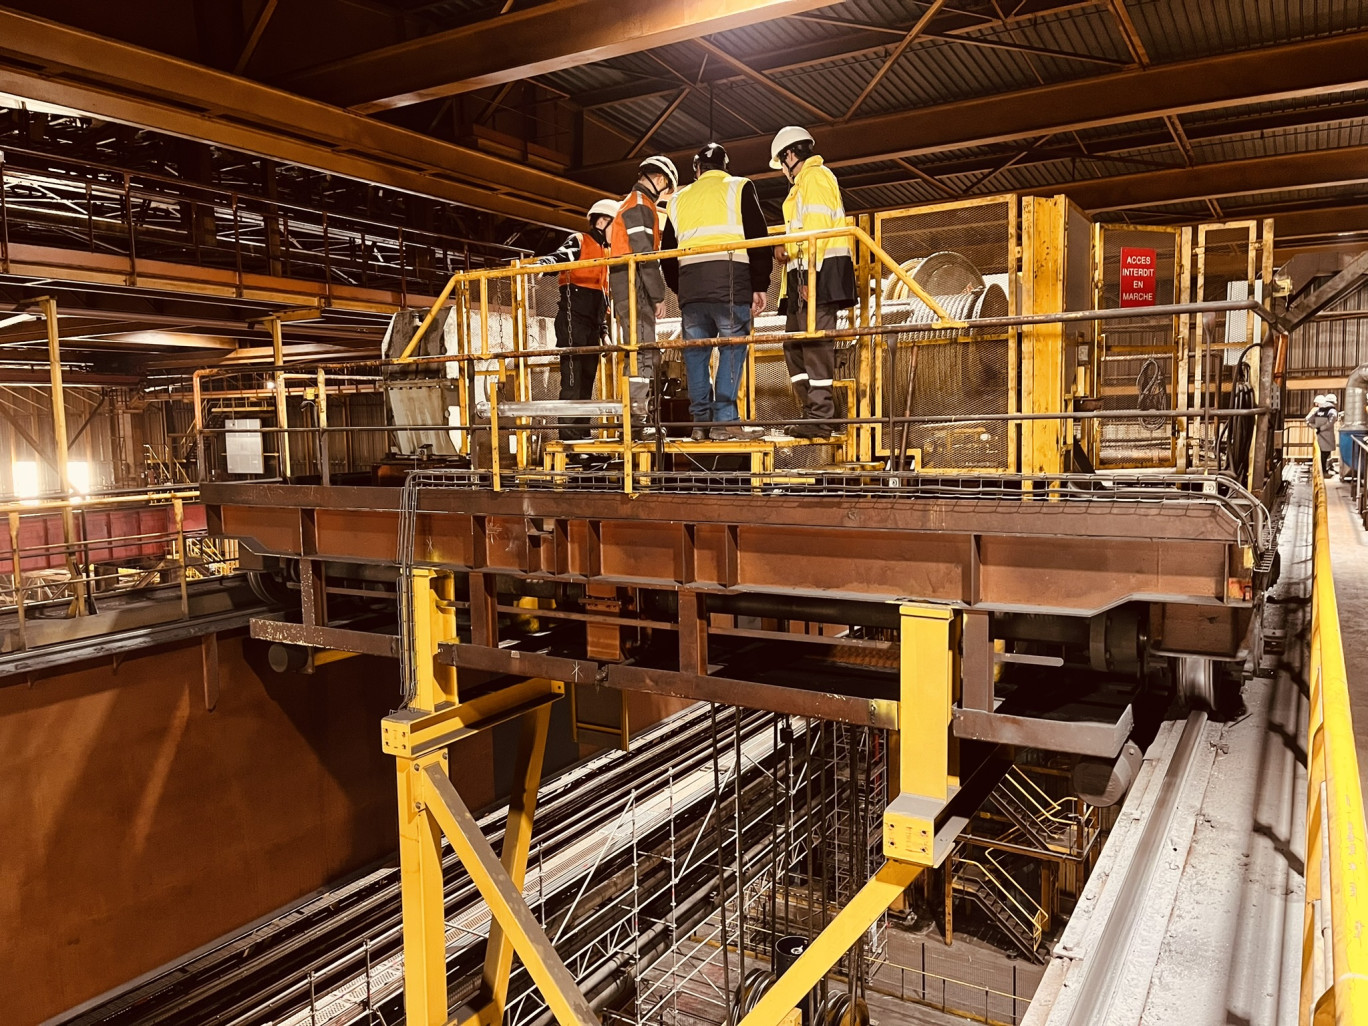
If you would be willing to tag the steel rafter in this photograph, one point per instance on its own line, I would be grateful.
(553, 37)
(45, 61)
(1311, 68)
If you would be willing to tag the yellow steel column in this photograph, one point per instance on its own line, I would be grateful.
(434, 622)
(522, 808)
(928, 757)
(1043, 369)
(420, 876)
(281, 398)
(59, 435)
(929, 679)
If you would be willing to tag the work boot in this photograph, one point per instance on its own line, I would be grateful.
(811, 430)
(699, 435)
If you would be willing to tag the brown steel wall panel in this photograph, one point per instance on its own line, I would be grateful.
(444, 539)
(1087, 576)
(272, 528)
(138, 825)
(507, 539)
(858, 562)
(634, 548)
(358, 534)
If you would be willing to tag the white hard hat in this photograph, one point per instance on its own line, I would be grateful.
(785, 138)
(603, 208)
(661, 165)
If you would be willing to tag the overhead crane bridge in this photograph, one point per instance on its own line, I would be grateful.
(1048, 514)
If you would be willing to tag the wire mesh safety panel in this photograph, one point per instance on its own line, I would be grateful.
(1137, 365)
(964, 256)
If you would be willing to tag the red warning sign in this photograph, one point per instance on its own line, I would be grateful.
(1138, 281)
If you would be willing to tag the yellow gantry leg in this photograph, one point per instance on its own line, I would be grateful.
(522, 808)
(505, 901)
(420, 875)
(927, 754)
(826, 949)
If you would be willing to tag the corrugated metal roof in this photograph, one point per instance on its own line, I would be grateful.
(1173, 30)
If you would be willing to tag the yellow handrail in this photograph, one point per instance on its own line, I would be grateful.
(631, 260)
(1334, 818)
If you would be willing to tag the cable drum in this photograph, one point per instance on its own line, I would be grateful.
(840, 1010)
(940, 274)
(749, 991)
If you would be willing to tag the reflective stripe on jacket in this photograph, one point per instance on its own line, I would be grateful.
(708, 213)
(588, 277)
(636, 229)
(814, 204)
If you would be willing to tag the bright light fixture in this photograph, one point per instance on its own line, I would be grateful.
(18, 318)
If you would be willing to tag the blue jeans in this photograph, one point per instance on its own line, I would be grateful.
(714, 400)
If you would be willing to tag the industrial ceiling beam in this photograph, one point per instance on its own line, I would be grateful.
(1311, 68)
(1313, 169)
(42, 60)
(552, 37)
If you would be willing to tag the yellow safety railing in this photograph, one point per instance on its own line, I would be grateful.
(1015, 899)
(807, 241)
(1337, 900)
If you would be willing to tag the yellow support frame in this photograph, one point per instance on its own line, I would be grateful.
(430, 808)
(1335, 828)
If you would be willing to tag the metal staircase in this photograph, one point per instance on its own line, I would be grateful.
(985, 882)
(1066, 827)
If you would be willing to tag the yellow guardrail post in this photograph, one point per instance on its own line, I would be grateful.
(1333, 771)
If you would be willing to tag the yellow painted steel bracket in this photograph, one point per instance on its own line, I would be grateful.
(411, 733)
(1333, 761)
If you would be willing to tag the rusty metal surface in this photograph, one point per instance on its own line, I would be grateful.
(363, 642)
(1095, 518)
(1082, 737)
(829, 705)
(1072, 558)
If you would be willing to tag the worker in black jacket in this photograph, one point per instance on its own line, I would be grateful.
(582, 314)
(720, 291)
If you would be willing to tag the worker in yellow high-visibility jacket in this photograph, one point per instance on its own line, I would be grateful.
(813, 204)
(720, 291)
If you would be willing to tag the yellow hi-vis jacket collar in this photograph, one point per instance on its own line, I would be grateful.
(708, 213)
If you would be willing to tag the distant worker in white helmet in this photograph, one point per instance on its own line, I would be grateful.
(1322, 419)
(636, 229)
(813, 204)
(582, 314)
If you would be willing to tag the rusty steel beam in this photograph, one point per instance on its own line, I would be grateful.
(1312, 169)
(1311, 68)
(1317, 223)
(555, 36)
(44, 61)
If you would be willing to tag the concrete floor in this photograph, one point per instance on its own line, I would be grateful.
(1349, 556)
(1199, 924)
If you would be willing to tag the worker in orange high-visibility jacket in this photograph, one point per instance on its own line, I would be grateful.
(582, 314)
(636, 229)
(813, 204)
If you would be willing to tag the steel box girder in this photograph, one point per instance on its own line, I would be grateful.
(1042, 557)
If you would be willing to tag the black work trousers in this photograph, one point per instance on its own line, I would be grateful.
(812, 364)
(576, 326)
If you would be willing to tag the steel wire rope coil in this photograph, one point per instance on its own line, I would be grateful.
(840, 1010)
(749, 991)
(1152, 393)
